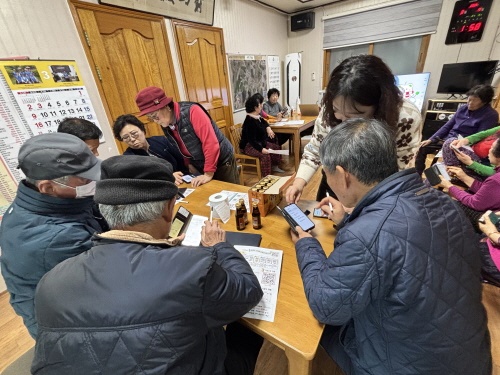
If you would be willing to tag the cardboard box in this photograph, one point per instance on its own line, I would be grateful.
(270, 195)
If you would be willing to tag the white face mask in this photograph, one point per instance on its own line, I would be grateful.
(83, 191)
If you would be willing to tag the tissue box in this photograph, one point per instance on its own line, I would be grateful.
(269, 192)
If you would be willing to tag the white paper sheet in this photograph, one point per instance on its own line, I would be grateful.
(185, 193)
(193, 232)
(279, 152)
(295, 122)
(266, 264)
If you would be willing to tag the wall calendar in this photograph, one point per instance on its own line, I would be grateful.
(35, 96)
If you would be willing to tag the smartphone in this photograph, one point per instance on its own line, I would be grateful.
(295, 217)
(456, 148)
(180, 222)
(494, 218)
(487, 213)
(188, 178)
(318, 212)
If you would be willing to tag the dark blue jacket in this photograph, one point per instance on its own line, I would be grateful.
(141, 307)
(37, 232)
(160, 147)
(403, 281)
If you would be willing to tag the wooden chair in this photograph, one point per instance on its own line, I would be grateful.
(242, 159)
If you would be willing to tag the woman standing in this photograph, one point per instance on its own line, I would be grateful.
(360, 87)
(257, 138)
(129, 129)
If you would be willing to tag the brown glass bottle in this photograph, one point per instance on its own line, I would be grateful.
(240, 220)
(244, 210)
(256, 222)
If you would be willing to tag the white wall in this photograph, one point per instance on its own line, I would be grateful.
(310, 43)
(45, 30)
(439, 53)
(250, 28)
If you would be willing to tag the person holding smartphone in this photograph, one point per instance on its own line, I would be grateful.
(473, 160)
(482, 195)
(402, 274)
(490, 248)
(476, 116)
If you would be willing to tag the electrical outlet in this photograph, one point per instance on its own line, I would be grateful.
(313, 76)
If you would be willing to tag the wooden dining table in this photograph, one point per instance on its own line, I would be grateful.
(295, 329)
(294, 131)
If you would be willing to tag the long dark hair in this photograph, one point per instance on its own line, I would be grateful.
(367, 80)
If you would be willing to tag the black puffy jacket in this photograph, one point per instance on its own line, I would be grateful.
(137, 306)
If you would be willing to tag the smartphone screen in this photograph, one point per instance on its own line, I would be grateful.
(299, 217)
(179, 222)
(494, 218)
(318, 212)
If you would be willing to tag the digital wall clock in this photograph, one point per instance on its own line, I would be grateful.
(468, 21)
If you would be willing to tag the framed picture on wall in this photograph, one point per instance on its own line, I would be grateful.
(200, 11)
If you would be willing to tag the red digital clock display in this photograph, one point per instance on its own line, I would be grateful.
(468, 21)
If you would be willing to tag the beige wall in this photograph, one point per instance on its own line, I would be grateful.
(310, 43)
(45, 30)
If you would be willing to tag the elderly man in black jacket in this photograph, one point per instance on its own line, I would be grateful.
(138, 303)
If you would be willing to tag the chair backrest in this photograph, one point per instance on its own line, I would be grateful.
(309, 109)
(235, 135)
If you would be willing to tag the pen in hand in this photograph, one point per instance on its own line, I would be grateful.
(211, 213)
(329, 203)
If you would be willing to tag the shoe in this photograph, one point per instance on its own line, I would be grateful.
(277, 169)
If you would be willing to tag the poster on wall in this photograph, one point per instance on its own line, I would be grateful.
(274, 76)
(200, 11)
(35, 96)
(248, 76)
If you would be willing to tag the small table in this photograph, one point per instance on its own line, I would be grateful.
(295, 131)
(295, 329)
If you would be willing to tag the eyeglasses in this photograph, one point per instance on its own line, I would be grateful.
(153, 116)
(132, 135)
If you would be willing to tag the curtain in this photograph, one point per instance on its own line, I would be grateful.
(392, 22)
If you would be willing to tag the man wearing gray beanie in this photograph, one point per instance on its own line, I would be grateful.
(136, 302)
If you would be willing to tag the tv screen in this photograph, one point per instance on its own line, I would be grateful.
(461, 77)
(413, 87)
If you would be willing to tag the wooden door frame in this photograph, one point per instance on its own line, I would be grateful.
(176, 22)
(422, 55)
(74, 4)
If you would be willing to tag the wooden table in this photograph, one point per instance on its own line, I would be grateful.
(295, 330)
(295, 131)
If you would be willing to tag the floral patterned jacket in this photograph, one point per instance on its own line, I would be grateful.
(408, 139)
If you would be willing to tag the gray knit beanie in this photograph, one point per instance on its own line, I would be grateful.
(128, 179)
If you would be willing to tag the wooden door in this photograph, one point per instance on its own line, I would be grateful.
(128, 51)
(204, 68)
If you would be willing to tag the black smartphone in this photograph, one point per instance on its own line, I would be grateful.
(494, 218)
(180, 222)
(296, 217)
(318, 212)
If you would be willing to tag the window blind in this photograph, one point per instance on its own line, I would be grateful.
(392, 22)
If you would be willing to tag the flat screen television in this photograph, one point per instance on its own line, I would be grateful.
(413, 87)
(461, 77)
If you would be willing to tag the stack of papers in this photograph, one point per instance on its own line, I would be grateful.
(266, 264)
